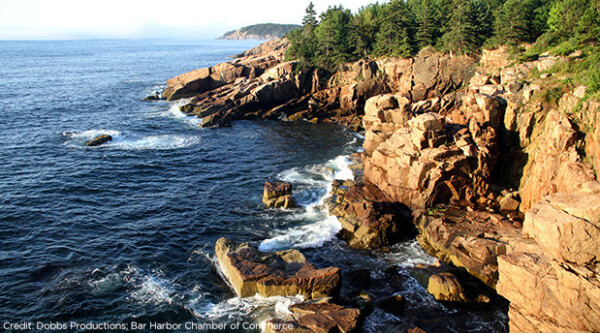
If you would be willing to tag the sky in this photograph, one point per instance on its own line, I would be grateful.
(185, 19)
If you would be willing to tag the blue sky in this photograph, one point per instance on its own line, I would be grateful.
(74, 19)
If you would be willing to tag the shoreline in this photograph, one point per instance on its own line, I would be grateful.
(444, 140)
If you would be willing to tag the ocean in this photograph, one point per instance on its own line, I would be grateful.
(110, 237)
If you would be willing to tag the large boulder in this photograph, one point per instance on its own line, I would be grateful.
(278, 194)
(370, 220)
(285, 273)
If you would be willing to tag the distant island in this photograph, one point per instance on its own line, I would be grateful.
(261, 31)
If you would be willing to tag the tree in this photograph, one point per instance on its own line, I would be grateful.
(334, 37)
(396, 32)
(588, 27)
(310, 19)
(564, 16)
(430, 20)
(365, 27)
(470, 24)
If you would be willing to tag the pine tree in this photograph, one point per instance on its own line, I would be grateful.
(469, 24)
(396, 32)
(310, 19)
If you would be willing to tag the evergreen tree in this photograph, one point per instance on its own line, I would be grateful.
(334, 37)
(470, 24)
(564, 16)
(365, 27)
(588, 27)
(310, 19)
(429, 19)
(396, 32)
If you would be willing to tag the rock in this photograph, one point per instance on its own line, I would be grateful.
(394, 304)
(489, 89)
(554, 165)
(553, 285)
(317, 317)
(514, 87)
(154, 97)
(567, 225)
(530, 90)
(278, 194)
(99, 140)
(469, 239)
(576, 55)
(545, 75)
(285, 273)
(580, 92)
(416, 330)
(509, 203)
(546, 64)
(479, 80)
(445, 287)
(369, 220)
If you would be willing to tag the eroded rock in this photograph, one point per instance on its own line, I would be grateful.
(284, 273)
(278, 194)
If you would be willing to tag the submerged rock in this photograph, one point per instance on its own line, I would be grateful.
(99, 140)
(284, 273)
(278, 194)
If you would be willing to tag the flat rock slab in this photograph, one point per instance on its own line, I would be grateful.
(317, 317)
(284, 273)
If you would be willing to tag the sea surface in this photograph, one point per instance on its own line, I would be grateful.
(125, 232)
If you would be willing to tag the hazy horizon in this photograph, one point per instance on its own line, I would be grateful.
(135, 19)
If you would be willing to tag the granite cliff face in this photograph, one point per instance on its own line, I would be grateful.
(498, 181)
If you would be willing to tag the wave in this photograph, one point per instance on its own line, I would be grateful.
(127, 141)
(175, 112)
(312, 186)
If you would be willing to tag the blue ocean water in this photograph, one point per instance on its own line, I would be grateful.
(125, 232)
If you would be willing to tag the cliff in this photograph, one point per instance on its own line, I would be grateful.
(260, 31)
(496, 167)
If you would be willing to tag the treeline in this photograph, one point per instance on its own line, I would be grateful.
(403, 27)
(263, 29)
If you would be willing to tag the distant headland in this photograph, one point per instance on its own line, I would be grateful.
(260, 31)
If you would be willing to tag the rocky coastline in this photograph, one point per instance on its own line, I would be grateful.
(463, 153)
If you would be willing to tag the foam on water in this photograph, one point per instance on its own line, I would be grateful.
(312, 186)
(408, 254)
(175, 112)
(127, 141)
(239, 307)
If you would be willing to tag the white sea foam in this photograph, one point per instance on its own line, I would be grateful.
(307, 236)
(175, 112)
(313, 184)
(154, 290)
(129, 141)
(237, 307)
(408, 254)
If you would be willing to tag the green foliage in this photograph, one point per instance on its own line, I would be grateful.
(334, 38)
(273, 29)
(565, 48)
(366, 26)
(564, 16)
(395, 35)
(588, 27)
(470, 24)
(403, 27)
(519, 21)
